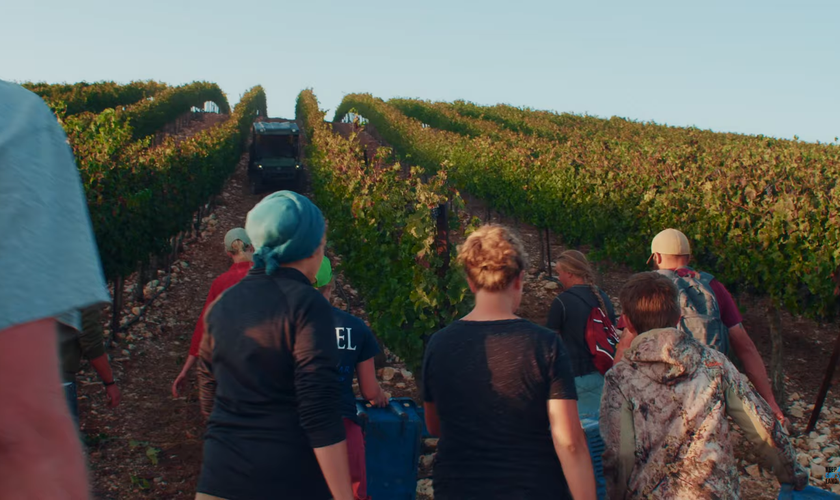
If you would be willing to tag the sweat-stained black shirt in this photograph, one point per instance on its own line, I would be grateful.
(490, 382)
(267, 370)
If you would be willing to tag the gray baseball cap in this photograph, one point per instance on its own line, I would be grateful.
(234, 234)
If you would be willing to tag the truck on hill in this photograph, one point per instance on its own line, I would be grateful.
(275, 153)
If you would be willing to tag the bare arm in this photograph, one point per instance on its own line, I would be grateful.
(754, 416)
(206, 381)
(40, 452)
(570, 445)
(371, 390)
(178, 385)
(623, 344)
(432, 419)
(103, 369)
(336, 469)
(754, 368)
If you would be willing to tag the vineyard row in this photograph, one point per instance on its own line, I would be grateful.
(382, 223)
(760, 212)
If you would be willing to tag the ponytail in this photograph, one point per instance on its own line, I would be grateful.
(597, 293)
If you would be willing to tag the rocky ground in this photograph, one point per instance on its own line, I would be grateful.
(150, 447)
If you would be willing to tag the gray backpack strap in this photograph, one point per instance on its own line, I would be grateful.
(700, 310)
(667, 273)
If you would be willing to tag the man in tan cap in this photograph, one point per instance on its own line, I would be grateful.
(239, 248)
(709, 312)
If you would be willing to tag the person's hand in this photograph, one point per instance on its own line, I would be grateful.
(114, 396)
(800, 477)
(783, 421)
(780, 416)
(625, 339)
(178, 385)
(381, 399)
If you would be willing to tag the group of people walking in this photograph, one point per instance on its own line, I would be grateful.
(505, 396)
(276, 361)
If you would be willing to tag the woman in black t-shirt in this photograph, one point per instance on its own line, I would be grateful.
(499, 391)
(569, 315)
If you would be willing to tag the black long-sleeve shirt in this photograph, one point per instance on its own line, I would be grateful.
(268, 371)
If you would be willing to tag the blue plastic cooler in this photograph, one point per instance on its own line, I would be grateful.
(809, 493)
(392, 448)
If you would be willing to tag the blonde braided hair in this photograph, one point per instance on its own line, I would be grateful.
(575, 263)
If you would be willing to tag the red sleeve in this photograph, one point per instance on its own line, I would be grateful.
(215, 290)
(729, 313)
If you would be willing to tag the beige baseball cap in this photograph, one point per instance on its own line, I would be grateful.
(670, 242)
(234, 234)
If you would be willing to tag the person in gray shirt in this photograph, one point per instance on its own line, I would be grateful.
(50, 265)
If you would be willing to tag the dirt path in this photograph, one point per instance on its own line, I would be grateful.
(123, 441)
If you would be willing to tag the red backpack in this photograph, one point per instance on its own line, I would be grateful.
(601, 337)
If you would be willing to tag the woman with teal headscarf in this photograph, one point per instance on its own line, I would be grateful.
(267, 369)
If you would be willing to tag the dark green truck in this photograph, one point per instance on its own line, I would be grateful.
(275, 153)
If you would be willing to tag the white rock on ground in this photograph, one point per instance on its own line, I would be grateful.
(804, 459)
(406, 374)
(817, 471)
(753, 470)
(424, 487)
(388, 373)
(427, 460)
(551, 286)
(796, 412)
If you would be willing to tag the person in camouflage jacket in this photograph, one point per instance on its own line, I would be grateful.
(664, 408)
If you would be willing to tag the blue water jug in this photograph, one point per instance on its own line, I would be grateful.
(392, 448)
(809, 493)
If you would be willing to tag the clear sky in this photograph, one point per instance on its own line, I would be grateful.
(759, 67)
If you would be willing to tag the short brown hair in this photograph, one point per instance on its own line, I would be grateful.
(492, 257)
(650, 300)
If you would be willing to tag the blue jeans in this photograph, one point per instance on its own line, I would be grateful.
(589, 388)
(592, 429)
(72, 401)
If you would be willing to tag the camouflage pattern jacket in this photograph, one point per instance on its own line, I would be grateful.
(664, 425)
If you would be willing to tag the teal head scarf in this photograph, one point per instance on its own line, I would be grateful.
(284, 227)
